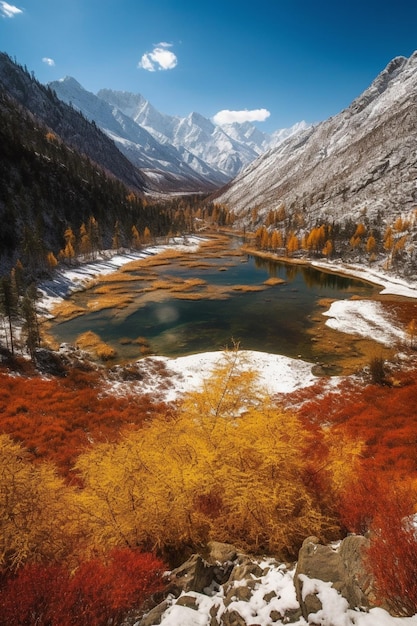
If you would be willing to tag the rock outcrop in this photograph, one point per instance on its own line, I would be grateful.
(229, 587)
(342, 565)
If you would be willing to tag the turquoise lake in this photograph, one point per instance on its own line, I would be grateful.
(276, 319)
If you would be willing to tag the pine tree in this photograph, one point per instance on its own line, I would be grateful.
(30, 320)
(8, 307)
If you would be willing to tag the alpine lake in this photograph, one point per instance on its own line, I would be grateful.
(177, 303)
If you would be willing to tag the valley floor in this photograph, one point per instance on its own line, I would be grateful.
(353, 320)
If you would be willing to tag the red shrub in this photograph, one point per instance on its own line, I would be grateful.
(392, 556)
(102, 591)
(97, 594)
(32, 595)
(56, 419)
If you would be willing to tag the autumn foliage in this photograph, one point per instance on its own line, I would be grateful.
(392, 555)
(82, 473)
(98, 593)
(58, 418)
(228, 465)
(381, 495)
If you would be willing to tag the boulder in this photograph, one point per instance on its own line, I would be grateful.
(233, 618)
(196, 574)
(245, 568)
(220, 552)
(154, 616)
(342, 566)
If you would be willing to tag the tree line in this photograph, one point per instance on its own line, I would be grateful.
(369, 239)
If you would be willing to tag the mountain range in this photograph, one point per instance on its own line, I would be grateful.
(175, 153)
(358, 166)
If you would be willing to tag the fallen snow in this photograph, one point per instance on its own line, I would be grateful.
(257, 610)
(392, 285)
(276, 373)
(366, 318)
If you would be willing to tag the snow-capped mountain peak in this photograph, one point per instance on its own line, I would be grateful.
(199, 154)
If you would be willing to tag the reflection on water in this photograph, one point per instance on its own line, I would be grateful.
(275, 319)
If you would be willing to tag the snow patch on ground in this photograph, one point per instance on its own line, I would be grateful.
(365, 318)
(257, 609)
(277, 374)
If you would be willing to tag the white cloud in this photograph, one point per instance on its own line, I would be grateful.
(228, 117)
(48, 61)
(159, 59)
(8, 10)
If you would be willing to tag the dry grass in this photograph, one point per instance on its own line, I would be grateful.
(191, 283)
(325, 302)
(67, 309)
(116, 288)
(215, 248)
(189, 296)
(144, 347)
(110, 301)
(90, 342)
(162, 258)
(120, 277)
(248, 288)
(160, 284)
(142, 341)
(272, 281)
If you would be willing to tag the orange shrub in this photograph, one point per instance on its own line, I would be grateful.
(57, 419)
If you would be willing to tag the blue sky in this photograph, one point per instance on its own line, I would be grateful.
(271, 60)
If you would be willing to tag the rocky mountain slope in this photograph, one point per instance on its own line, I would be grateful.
(178, 154)
(67, 123)
(361, 162)
(162, 162)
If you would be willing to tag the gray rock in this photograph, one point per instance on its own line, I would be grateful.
(233, 618)
(155, 615)
(189, 601)
(194, 575)
(221, 552)
(236, 594)
(343, 567)
(245, 568)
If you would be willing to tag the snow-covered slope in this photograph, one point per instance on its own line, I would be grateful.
(357, 163)
(189, 154)
(161, 161)
(194, 136)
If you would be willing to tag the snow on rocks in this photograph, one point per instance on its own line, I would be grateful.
(257, 591)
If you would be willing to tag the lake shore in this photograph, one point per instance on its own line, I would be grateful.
(354, 330)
